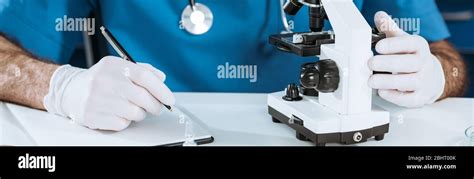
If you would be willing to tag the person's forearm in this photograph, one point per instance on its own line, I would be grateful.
(453, 66)
(23, 79)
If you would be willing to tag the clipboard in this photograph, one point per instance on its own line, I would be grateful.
(164, 130)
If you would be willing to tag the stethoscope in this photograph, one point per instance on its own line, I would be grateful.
(197, 18)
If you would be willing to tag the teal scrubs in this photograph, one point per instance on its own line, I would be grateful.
(151, 33)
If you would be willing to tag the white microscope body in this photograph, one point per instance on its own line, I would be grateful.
(346, 115)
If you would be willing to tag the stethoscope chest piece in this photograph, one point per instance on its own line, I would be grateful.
(197, 19)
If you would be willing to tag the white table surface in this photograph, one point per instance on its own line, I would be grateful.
(242, 119)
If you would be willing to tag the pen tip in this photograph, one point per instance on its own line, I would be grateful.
(168, 107)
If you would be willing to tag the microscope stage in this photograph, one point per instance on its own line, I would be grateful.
(284, 43)
(319, 124)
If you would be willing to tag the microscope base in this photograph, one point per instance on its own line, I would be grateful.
(323, 125)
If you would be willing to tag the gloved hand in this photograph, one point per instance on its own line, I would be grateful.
(109, 95)
(417, 76)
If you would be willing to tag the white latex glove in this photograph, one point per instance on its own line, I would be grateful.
(417, 76)
(109, 95)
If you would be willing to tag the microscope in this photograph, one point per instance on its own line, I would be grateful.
(333, 102)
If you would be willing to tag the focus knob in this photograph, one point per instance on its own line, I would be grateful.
(310, 78)
(308, 91)
(322, 76)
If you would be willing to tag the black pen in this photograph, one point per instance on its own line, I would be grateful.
(120, 50)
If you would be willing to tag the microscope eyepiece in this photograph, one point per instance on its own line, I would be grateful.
(292, 7)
